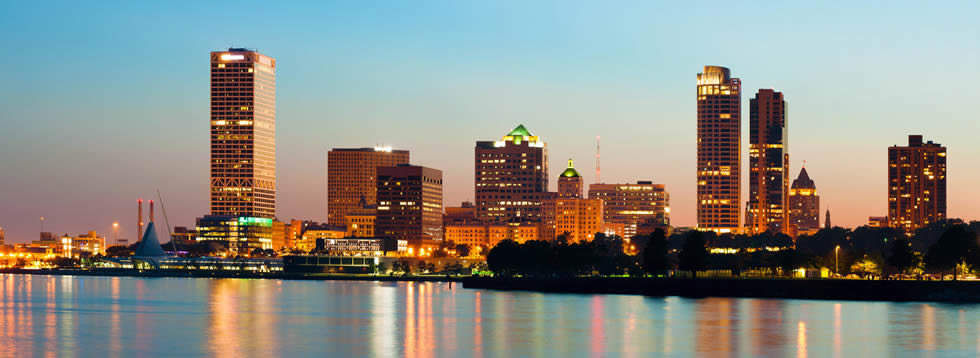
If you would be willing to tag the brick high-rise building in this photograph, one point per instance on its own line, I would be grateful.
(579, 218)
(243, 134)
(719, 188)
(916, 184)
(768, 164)
(804, 204)
(352, 177)
(569, 183)
(409, 203)
(642, 203)
(511, 177)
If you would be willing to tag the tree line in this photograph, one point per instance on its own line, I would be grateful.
(945, 247)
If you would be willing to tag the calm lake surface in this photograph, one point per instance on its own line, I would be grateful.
(65, 316)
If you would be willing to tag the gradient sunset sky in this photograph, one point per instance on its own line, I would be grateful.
(104, 103)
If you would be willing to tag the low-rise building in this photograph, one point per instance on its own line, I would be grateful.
(243, 234)
(313, 233)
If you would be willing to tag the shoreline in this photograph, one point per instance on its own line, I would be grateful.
(225, 274)
(809, 289)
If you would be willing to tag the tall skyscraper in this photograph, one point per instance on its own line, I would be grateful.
(243, 134)
(768, 164)
(804, 204)
(352, 176)
(719, 147)
(916, 184)
(409, 203)
(511, 177)
(570, 183)
(633, 205)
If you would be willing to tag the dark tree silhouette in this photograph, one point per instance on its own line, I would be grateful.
(900, 255)
(462, 250)
(956, 245)
(655, 253)
(694, 253)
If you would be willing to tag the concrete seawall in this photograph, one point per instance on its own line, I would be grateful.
(818, 289)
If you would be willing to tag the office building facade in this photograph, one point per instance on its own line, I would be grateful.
(409, 203)
(768, 164)
(643, 203)
(510, 176)
(352, 178)
(243, 134)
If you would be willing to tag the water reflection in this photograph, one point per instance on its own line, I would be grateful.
(53, 316)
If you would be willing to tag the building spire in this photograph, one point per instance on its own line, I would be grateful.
(827, 220)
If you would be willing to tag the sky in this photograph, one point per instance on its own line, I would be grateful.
(103, 103)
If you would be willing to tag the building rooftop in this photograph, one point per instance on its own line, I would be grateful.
(520, 131)
(570, 172)
(803, 181)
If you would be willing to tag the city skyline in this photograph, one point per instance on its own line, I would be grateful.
(72, 160)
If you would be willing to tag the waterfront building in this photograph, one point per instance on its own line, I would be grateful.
(878, 221)
(768, 164)
(916, 184)
(804, 205)
(352, 178)
(511, 176)
(360, 221)
(243, 234)
(634, 205)
(363, 246)
(466, 211)
(549, 212)
(89, 243)
(243, 134)
(409, 203)
(294, 232)
(719, 160)
(2, 237)
(480, 233)
(314, 233)
(278, 235)
(578, 219)
(569, 183)
(183, 235)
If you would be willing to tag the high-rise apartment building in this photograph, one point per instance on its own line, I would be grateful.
(243, 134)
(511, 177)
(768, 164)
(804, 204)
(916, 184)
(409, 203)
(719, 188)
(642, 203)
(352, 177)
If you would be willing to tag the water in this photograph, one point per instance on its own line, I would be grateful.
(64, 316)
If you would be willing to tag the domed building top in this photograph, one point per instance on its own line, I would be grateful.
(570, 172)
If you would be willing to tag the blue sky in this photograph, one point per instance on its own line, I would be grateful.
(105, 102)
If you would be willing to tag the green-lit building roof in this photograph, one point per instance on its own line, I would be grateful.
(520, 131)
(570, 172)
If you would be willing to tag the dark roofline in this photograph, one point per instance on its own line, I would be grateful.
(365, 150)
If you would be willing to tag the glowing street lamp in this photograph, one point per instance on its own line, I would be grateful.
(836, 261)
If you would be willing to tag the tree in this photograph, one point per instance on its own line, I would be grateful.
(956, 245)
(865, 267)
(655, 253)
(463, 250)
(422, 266)
(694, 253)
(900, 255)
(381, 268)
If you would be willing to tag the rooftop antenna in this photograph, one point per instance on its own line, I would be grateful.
(172, 243)
(598, 178)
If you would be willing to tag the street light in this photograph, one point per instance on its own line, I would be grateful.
(836, 261)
